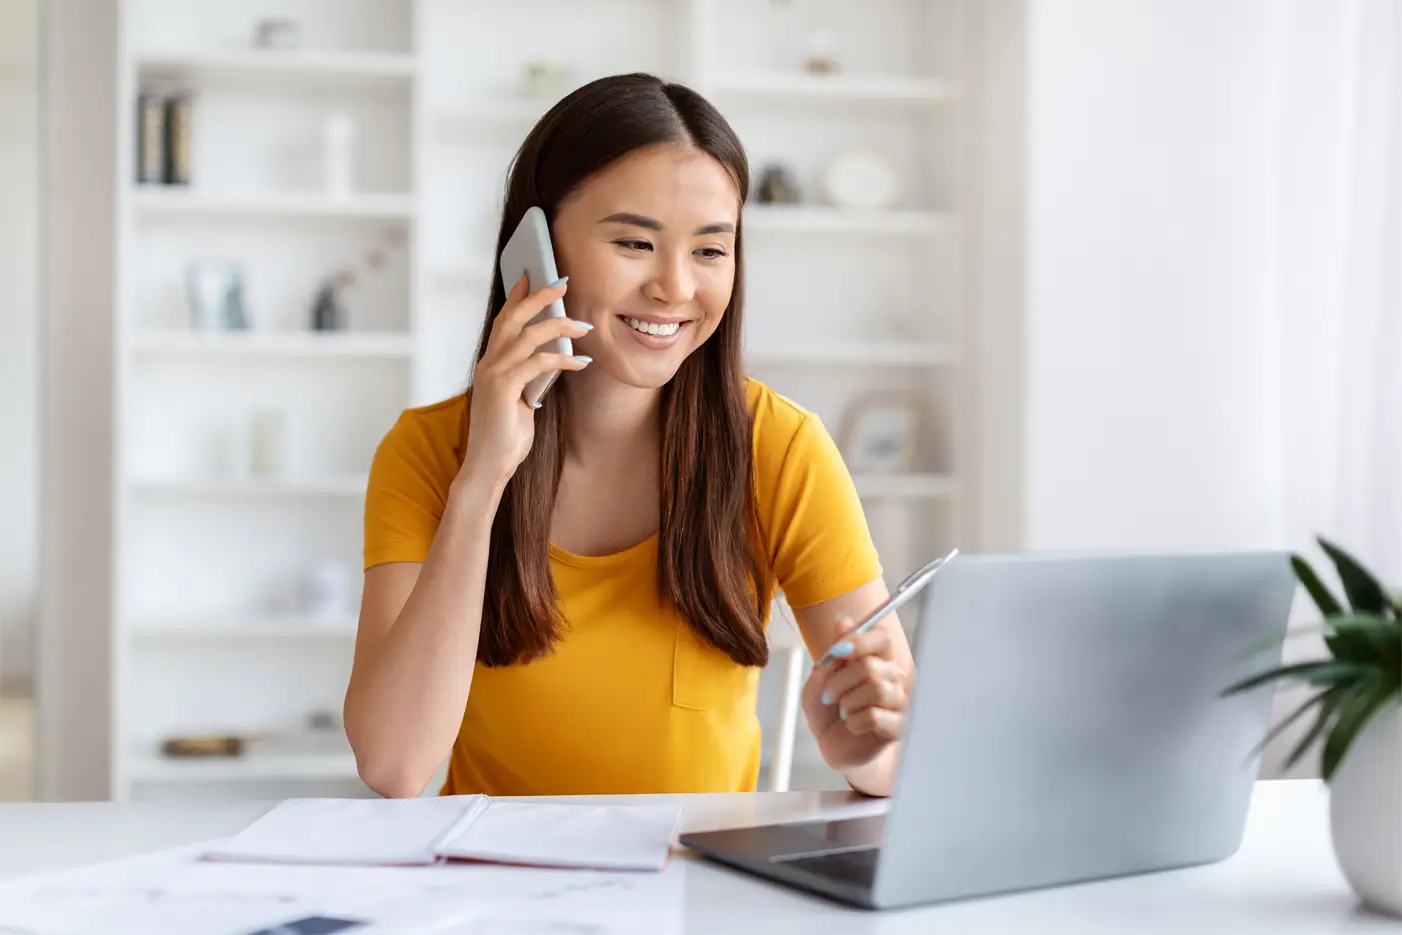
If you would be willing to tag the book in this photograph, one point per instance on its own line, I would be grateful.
(424, 831)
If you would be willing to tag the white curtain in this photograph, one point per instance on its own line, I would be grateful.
(1337, 178)
(1339, 188)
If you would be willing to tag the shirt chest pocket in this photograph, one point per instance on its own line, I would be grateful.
(706, 679)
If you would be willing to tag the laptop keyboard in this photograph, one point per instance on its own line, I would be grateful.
(857, 867)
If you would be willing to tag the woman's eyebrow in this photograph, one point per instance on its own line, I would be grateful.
(638, 220)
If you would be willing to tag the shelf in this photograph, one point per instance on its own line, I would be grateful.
(905, 486)
(352, 485)
(915, 354)
(271, 344)
(494, 114)
(476, 271)
(258, 626)
(820, 219)
(378, 67)
(158, 199)
(836, 88)
(150, 767)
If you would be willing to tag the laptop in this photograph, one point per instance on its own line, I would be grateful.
(1065, 726)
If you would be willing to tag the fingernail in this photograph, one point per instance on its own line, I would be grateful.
(827, 697)
(558, 283)
(583, 359)
(842, 715)
(841, 650)
(585, 325)
(535, 405)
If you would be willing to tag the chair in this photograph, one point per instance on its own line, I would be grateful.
(786, 647)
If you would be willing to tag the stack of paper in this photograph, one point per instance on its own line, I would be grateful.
(595, 837)
(423, 831)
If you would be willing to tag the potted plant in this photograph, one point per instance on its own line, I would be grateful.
(1357, 708)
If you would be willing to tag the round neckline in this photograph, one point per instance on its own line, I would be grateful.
(599, 561)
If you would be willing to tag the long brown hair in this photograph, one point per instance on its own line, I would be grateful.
(708, 564)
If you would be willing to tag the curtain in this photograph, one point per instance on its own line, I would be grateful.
(1337, 179)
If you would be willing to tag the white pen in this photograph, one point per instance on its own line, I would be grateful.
(904, 592)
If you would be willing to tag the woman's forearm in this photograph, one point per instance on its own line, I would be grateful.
(404, 706)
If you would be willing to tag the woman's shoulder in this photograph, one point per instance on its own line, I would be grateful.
(780, 425)
(774, 414)
(429, 438)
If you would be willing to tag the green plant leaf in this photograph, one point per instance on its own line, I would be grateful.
(1321, 722)
(1370, 640)
(1315, 673)
(1363, 590)
(1272, 643)
(1285, 724)
(1353, 716)
(1323, 598)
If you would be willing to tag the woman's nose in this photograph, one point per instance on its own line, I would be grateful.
(672, 283)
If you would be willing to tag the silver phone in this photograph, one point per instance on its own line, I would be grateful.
(529, 251)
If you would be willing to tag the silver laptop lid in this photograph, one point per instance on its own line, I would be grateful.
(1066, 723)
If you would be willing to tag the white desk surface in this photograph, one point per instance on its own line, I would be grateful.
(1282, 881)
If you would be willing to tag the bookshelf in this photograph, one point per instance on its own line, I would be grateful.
(213, 557)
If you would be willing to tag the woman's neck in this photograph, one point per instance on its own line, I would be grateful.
(607, 420)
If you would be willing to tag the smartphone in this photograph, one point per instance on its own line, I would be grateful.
(529, 251)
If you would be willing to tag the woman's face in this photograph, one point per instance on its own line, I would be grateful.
(649, 246)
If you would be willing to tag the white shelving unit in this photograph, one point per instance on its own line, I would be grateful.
(251, 345)
(235, 65)
(213, 632)
(269, 207)
(210, 634)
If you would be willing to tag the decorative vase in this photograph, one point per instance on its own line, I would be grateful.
(1365, 812)
(778, 186)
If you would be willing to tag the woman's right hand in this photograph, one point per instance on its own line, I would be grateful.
(502, 423)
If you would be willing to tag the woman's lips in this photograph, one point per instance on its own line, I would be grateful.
(656, 342)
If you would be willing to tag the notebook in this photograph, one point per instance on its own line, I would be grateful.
(422, 831)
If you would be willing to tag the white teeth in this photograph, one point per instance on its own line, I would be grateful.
(653, 327)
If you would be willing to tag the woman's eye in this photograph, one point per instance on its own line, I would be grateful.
(711, 253)
(634, 244)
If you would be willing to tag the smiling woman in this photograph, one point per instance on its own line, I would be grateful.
(573, 599)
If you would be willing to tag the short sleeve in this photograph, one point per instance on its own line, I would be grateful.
(405, 496)
(819, 542)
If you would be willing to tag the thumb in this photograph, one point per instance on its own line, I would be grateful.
(845, 625)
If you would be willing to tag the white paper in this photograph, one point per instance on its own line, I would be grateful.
(176, 892)
(135, 896)
(601, 837)
(594, 903)
(350, 831)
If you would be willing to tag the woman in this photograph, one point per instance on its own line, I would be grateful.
(573, 599)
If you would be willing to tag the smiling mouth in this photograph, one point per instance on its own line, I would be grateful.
(653, 328)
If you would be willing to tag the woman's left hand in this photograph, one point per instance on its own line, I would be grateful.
(856, 706)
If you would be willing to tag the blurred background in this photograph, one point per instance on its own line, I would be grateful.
(1106, 274)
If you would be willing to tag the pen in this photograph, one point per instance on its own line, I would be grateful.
(903, 593)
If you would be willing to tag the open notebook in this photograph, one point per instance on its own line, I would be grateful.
(408, 832)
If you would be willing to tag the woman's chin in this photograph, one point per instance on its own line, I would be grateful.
(643, 375)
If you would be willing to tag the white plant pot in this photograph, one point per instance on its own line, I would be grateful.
(1365, 812)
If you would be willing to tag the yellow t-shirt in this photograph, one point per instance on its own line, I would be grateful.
(631, 699)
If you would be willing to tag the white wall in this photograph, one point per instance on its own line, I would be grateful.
(1151, 340)
(19, 337)
(1150, 413)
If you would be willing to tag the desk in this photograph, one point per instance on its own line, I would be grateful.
(1283, 880)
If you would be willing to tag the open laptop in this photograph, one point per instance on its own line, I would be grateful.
(1065, 726)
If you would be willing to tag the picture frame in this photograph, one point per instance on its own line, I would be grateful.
(881, 432)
